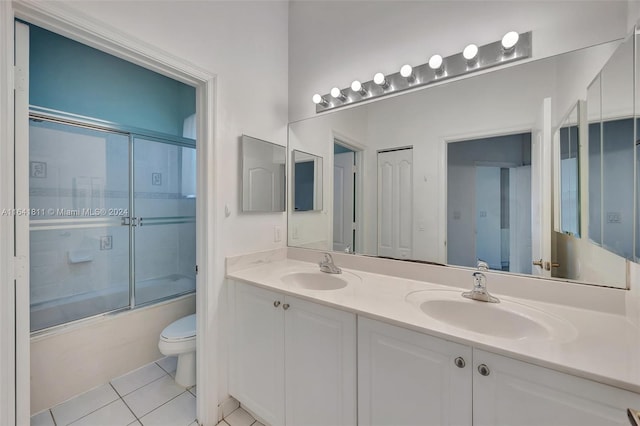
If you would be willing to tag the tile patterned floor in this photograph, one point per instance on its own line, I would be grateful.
(239, 417)
(147, 396)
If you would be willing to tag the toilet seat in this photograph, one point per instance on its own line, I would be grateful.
(179, 339)
(182, 329)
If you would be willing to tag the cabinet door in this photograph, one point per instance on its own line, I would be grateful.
(517, 393)
(320, 365)
(256, 358)
(407, 378)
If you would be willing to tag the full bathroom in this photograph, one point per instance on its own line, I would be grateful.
(112, 193)
(296, 213)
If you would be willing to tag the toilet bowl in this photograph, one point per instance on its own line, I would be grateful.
(179, 338)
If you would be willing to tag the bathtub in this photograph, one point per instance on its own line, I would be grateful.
(114, 299)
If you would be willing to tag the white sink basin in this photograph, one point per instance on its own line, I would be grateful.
(315, 280)
(507, 320)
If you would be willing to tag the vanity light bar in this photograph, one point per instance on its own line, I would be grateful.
(473, 59)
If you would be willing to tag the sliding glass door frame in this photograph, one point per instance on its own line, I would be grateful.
(138, 221)
(132, 220)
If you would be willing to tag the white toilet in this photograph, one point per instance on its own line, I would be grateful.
(179, 338)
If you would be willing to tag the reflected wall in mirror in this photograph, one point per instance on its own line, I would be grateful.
(467, 191)
(307, 182)
(263, 176)
(569, 179)
(610, 112)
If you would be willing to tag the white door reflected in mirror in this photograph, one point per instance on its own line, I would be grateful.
(343, 199)
(395, 203)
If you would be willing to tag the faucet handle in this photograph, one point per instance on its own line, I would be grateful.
(483, 266)
(327, 259)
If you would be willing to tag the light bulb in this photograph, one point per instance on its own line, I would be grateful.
(470, 52)
(356, 86)
(380, 80)
(319, 100)
(337, 93)
(435, 62)
(509, 40)
(406, 71)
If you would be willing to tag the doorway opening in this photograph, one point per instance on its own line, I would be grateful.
(489, 202)
(181, 154)
(345, 183)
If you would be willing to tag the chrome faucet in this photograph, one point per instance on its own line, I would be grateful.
(327, 265)
(479, 291)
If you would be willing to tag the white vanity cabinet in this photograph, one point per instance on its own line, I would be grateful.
(409, 378)
(292, 362)
(256, 367)
(512, 393)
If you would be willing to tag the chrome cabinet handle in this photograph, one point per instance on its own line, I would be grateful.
(276, 303)
(459, 362)
(285, 306)
(483, 370)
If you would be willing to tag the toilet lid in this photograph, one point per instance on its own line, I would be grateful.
(181, 329)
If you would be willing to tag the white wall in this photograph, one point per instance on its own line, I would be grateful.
(633, 14)
(333, 43)
(246, 45)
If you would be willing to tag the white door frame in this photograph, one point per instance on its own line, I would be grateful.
(14, 407)
(359, 149)
(343, 238)
(7, 289)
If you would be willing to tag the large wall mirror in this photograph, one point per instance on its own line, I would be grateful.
(471, 169)
(263, 176)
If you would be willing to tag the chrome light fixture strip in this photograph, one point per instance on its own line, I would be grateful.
(488, 56)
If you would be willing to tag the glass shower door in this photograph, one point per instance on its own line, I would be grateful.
(78, 195)
(164, 219)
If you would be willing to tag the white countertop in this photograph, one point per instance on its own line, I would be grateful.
(605, 346)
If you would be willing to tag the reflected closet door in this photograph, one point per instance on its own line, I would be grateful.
(164, 219)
